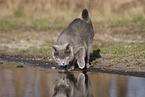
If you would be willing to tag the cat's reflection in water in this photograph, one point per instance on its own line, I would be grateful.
(68, 86)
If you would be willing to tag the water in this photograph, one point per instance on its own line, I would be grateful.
(39, 82)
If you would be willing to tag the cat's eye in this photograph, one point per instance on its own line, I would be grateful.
(66, 58)
(67, 85)
(58, 84)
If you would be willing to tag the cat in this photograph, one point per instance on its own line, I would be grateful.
(75, 43)
(69, 86)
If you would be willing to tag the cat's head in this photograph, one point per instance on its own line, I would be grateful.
(62, 54)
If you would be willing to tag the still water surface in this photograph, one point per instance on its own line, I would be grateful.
(38, 82)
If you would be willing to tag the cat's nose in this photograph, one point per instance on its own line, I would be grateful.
(63, 63)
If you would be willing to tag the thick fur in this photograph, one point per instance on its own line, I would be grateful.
(79, 34)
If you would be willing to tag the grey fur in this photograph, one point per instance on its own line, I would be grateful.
(78, 39)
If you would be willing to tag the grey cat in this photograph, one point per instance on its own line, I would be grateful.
(75, 43)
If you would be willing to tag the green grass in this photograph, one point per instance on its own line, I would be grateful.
(20, 21)
(125, 50)
(7, 25)
(30, 23)
(134, 23)
(125, 53)
(44, 24)
(129, 54)
(18, 14)
(6, 47)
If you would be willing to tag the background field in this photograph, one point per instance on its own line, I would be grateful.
(106, 7)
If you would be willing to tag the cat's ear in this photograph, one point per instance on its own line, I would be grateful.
(67, 46)
(54, 48)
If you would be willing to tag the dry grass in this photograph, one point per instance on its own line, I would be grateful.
(105, 7)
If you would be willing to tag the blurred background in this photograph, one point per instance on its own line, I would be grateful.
(105, 7)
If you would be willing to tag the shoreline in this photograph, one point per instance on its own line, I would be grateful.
(43, 62)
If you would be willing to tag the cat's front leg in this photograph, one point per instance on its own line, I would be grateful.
(88, 65)
(80, 56)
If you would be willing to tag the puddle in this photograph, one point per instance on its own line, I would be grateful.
(44, 82)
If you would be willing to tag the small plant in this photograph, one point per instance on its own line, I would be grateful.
(110, 56)
(126, 60)
(18, 13)
(94, 62)
(128, 65)
(111, 64)
(5, 47)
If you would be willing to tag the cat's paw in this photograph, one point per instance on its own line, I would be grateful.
(71, 68)
(81, 64)
(88, 65)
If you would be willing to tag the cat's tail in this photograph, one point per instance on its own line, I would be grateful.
(85, 17)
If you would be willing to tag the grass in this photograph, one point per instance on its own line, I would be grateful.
(125, 53)
(125, 50)
(18, 14)
(135, 23)
(30, 24)
(7, 25)
(60, 20)
(6, 47)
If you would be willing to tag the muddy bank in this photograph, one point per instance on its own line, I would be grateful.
(44, 62)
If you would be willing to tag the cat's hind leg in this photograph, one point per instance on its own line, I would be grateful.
(80, 56)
